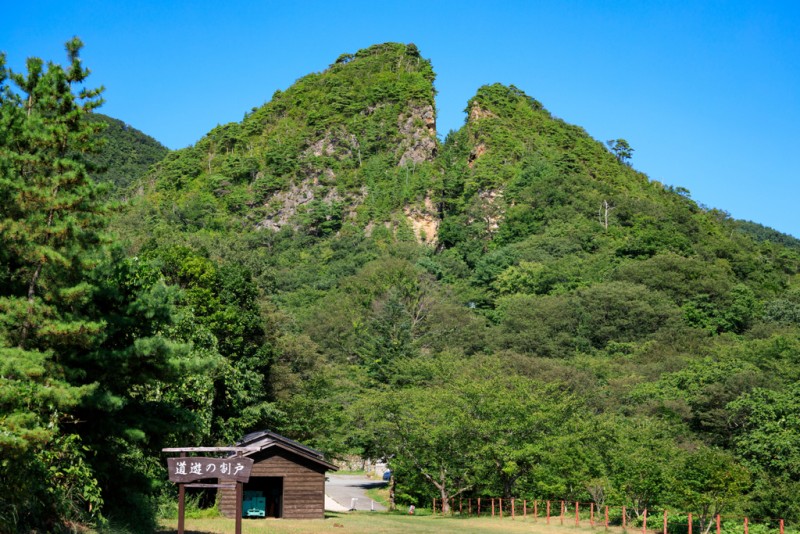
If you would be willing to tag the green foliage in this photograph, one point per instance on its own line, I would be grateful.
(125, 155)
(50, 229)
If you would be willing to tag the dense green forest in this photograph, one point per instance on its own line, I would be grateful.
(514, 311)
(126, 155)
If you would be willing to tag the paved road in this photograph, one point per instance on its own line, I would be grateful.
(344, 488)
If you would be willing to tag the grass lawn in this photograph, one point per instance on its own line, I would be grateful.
(373, 523)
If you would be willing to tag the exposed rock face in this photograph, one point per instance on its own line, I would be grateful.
(339, 144)
(287, 203)
(492, 207)
(419, 132)
(476, 152)
(424, 222)
(476, 112)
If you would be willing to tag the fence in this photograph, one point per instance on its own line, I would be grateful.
(558, 512)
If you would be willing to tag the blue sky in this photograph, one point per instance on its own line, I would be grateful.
(707, 93)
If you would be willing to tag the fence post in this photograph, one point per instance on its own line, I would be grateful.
(665, 522)
(718, 529)
(625, 518)
(781, 526)
(577, 516)
(562, 512)
(548, 512)
(525, 509)
(690, 522)
(461, 506)
(434, 506)
(591, 514)
(745, 526)
(492, 506)
(606, 517)
(501, 509)
(479, 506)
(513, 508)
(469, 506)
(644, 522)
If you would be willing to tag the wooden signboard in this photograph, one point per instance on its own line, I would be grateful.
(233, 470)
(189, 469)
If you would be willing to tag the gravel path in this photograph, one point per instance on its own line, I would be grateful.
(350, 491)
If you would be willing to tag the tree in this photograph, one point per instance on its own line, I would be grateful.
(710, 482)
(82, 331)
(621, 149)
(474, 427)
(50, 235)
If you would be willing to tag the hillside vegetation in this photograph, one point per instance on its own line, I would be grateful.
(515, 311)
(126, 153)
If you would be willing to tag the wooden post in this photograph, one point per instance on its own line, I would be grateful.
(492, 506)
(469, 506)
(690, 522)
(513, 508)
(746, 529)
(781, 523)
(181, 504)
(239, 507)
(548, 512)
(644, 521)
(625, 518)
(562, 512)
(434, 506)
(606, 517)
(577, 514)
(181, 508)
(591, 514)
(665, 522)
(479, 506)
(535, 509)
(501, 508)
(718, 525)
(460, 506)
(525, 509)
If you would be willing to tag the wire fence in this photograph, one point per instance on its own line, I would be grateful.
(578, 514)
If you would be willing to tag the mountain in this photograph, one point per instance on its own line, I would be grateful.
(126, 154)
(389, 267)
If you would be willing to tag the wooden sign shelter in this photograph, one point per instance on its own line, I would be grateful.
(231, 471)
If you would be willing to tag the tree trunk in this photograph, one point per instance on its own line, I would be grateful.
(392, 492)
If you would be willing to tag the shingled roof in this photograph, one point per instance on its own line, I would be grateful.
(265, 439)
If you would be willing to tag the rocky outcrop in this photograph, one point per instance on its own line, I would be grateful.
(424, 221)
(418, 130)
(476, 113)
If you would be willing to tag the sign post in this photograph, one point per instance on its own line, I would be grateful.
(231, 471)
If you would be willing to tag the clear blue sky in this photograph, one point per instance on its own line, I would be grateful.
(707, 93)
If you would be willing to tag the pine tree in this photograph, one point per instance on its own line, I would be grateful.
(51, 223)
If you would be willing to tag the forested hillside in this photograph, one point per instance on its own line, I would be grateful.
(126, 153)
(516, 311)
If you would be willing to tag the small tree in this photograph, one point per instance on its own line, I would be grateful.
(711, 482)
(621, 149)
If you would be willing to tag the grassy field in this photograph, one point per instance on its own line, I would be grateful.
(373, 523)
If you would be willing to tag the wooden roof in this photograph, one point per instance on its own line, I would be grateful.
(256, 442)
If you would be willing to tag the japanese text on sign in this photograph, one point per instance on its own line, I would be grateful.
(189, 469)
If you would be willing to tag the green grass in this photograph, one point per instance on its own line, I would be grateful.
(379, 495)
(374, 523)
